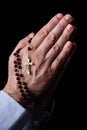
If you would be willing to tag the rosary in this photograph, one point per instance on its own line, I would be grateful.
(26, 95)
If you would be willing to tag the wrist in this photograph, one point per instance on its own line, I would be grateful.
(30, 101)
(12, 92)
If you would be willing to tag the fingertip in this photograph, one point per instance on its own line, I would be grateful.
(59, 15)
(32, 34)
(69, 17)
(72, 46)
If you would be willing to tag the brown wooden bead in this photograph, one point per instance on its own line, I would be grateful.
(20, 86)
(18, 78)
(25, 87)
(16, 74)
(15, 54)
(23, 95)
(21, 75)
(18, 50)
(15, 62)
(29, 41)
(15, 66)
(18, 59)
(21, 91)
(19, 63)
(19, 82)
(24, 83)
(20, 67)
(29, 48)
(15, 70)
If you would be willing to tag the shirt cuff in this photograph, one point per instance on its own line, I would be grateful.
(14, 116)
(10, 111)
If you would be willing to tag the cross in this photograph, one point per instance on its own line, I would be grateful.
(28, 64)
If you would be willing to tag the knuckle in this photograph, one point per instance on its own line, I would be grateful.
(61, 24)
(43, 32)
(65, 36)
(59, 61)
(68, 32)
(52, 37)
(38, 56)
(47, 74)
(56, 49)
(54, 20)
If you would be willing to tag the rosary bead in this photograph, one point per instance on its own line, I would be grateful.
(29, 41)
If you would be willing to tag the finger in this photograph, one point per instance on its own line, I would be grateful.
(66, 62)
(66, 35)
(54, 54)
(62, 40)
(65, 53)
(39, 37)
(55, 34)
(28, 37)
(48, 61)
(23, 42)
(60, 73)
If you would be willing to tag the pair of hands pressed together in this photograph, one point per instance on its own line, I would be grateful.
(51, 50)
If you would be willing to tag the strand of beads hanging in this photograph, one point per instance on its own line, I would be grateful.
(29, 63)
(26, 96)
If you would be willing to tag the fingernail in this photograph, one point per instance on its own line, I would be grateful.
(70, 27)
(68, 17)
(59, 15)
(71, 45)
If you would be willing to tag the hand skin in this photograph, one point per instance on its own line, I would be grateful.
(51, 52)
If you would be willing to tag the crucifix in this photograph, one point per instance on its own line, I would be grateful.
(28, 64)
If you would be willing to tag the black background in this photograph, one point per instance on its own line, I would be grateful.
(19, 19)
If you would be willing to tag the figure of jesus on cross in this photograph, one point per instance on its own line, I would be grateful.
(28, 64)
